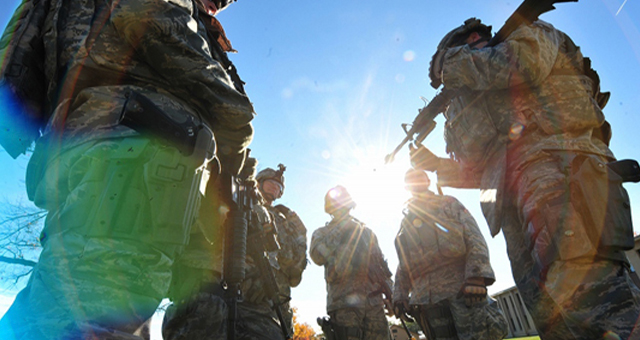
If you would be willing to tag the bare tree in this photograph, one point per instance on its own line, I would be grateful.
(20, 227)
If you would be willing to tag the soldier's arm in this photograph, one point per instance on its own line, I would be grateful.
(453, 174)
(402, 284)
(319, 251)
(294, 260)
(526, 56)
(450, 173)
(378, 258)
(168, 38)
(478, 265)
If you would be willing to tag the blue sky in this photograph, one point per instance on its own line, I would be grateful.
(332, 81)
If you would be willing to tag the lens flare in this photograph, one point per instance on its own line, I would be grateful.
(409, 55)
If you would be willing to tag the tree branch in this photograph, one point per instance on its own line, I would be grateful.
(26, 263)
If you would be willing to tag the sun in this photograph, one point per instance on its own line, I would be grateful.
(377, 189)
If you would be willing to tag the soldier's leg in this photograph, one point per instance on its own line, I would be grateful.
(545, 313)
(376, 326)
(436, 320)
(199, 310)
(421, 319)
(598, 298)
(204, 317)
(482, 320)
(106, 262)
(578, 276)
(257, 323)
(348, 323)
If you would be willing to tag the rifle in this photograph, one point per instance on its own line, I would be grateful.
(259, 253)
(240, 202)
(327, 328)
(423, 124)
(406, 329)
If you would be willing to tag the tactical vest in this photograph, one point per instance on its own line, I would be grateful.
(428, 239)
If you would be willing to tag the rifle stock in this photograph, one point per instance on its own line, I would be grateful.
(423, 124)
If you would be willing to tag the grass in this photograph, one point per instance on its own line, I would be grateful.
(527, 338)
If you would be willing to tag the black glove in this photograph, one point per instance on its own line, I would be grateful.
(249, 167)
(283, 209)
(423, 159)
(435, 68)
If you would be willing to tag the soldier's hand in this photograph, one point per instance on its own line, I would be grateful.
(283, 210)
(401, 309)
(423, 159)
(435, 68)
(249, 167)
(388, 307)
(474, 291)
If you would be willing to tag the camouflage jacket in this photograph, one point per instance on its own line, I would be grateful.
(287, 263)
(345, 248)
(522, 97)
(439, 247)
(98, 53)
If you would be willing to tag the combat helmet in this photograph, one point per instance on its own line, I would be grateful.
(458, 35)
(338, 198)
(414, 178)
(275, 175)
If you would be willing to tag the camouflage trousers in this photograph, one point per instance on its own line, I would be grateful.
(103, 270)
(570, 290)
(257, 324)
(204, 317)
(454, 320)
(365, 323)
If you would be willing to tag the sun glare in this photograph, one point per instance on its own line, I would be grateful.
(377, 188)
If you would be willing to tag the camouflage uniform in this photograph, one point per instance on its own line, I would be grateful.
(525, 142)
(440, 248)
(345, 247)
(257, 319)
(117, 199)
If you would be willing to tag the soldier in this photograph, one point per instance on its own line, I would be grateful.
(128, 96)
(349, 250)
(527, 128)
(256, 314)
(444, 268)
